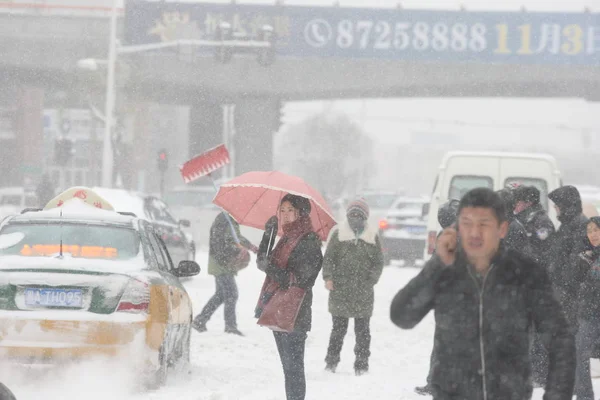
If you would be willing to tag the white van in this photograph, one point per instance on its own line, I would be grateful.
(460, 172)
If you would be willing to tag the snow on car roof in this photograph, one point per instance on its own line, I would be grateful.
(124, 201)
(75, 209)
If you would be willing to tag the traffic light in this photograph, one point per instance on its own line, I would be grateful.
(163, 160)
(63, 151)
(266, 55)
(223, 34)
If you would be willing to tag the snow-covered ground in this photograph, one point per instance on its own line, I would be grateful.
(226, 367)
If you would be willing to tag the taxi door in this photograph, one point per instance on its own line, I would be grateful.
(181, 308)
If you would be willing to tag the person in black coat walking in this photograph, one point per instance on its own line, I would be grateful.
(446, 218)
(539, 230)
(538, 225)
(44, 190)
(516, 237)
(225, 258)
(297, 253)
(588, 334)
(567, 244)
(485, 300)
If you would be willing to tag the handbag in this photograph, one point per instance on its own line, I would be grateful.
(281, 309)
(241, 261)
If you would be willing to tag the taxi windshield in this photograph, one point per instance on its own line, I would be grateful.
(77, 240)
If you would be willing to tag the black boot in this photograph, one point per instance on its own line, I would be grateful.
(361, 367)
(234, 331)
(198, 326)
(330, 367)
(424, 390)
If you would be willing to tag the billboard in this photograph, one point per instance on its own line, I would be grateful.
(394, 34)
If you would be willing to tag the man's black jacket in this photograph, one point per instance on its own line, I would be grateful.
(483, 328)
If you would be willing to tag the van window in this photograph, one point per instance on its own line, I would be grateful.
(461, 184)
(541, 184)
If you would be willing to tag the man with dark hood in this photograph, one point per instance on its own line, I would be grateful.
(568, 242)
(352, 267)
(539, 227)
(485, 299)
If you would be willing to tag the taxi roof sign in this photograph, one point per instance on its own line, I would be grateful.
(82, 193)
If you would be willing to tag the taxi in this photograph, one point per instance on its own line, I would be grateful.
(80, 281)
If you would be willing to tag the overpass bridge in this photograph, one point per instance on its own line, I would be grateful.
(321, 52)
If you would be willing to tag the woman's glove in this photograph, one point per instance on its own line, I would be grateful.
(272, 224)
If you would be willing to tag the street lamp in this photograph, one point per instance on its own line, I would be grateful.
(92, 64)
(107, 161)
(227, 45)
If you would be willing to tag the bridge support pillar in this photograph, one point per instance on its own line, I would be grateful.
(256, 121)
(29, 131)
(206, 127)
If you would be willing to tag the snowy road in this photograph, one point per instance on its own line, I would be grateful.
(226, 367)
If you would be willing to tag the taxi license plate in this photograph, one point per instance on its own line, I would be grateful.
(41, 297)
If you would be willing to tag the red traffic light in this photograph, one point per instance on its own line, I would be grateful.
(163, 156)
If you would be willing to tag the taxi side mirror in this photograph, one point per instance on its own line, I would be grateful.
(186, 268)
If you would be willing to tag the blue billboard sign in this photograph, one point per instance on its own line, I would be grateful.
(393, 34)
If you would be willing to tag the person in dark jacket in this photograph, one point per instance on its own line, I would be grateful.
(352, 267)
(44, 190)
(538, 225)
(539, 230)
(225, 258)
(588, 334)
(485, 300)
(446, 218)
(567, 244)
(297, 253)
(516, 237)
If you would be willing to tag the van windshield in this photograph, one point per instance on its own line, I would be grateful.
(461, 184)
(540, 184)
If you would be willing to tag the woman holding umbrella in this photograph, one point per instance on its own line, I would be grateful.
(296, 256)
(293, 266)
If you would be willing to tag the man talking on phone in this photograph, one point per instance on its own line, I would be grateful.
(485, 298)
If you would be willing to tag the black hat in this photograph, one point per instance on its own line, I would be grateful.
(528, 194)
(302, 204)
(447, 213)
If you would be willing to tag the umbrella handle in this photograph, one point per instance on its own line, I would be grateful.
(233, 232)
(270, 241)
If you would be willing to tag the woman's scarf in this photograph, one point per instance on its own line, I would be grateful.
(292, 234)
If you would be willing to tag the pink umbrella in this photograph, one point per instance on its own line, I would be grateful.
(254, 197)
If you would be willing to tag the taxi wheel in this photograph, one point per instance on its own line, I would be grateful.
(183, 354)
(158, 378)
